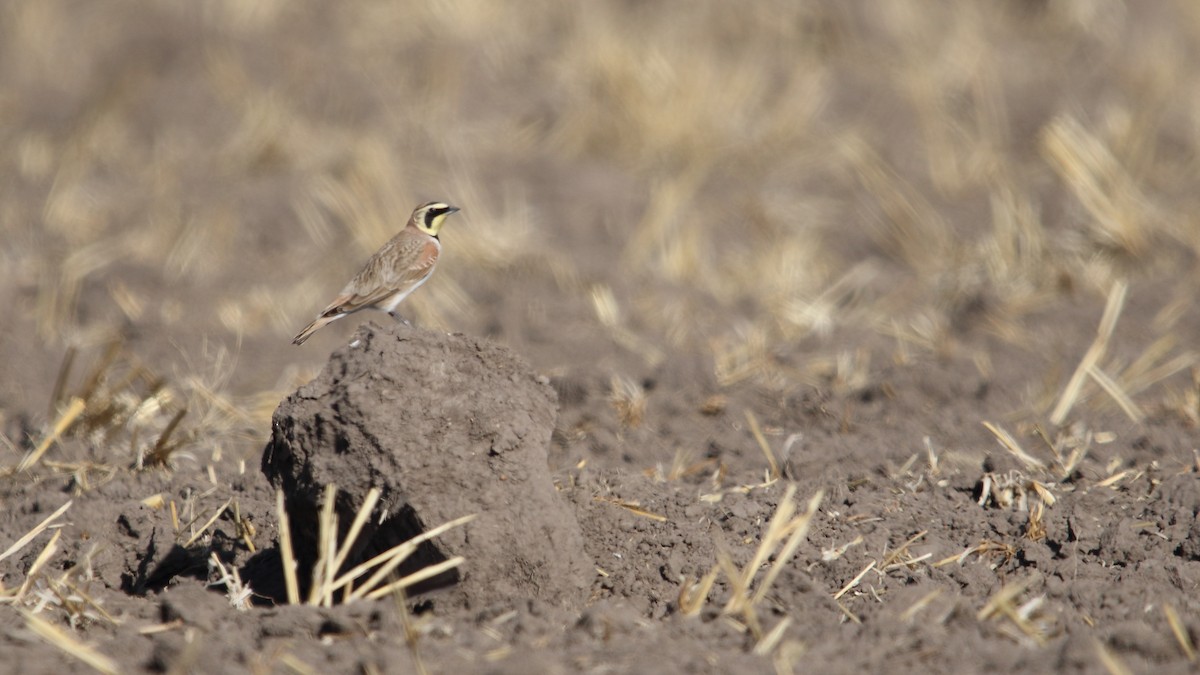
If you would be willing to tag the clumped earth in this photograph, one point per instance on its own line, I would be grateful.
(445, 427)
(838, 337)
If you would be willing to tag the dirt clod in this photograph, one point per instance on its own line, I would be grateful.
(444, 426)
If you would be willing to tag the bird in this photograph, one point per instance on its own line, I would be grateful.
(397, 269)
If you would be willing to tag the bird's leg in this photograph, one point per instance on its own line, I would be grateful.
(399, 318)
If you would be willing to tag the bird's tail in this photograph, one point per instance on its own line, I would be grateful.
(313, 327)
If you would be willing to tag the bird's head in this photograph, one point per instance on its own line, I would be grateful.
(429, 217)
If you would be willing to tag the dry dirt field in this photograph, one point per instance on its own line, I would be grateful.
(870, 325)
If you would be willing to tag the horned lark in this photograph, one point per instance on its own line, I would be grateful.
(397, 269)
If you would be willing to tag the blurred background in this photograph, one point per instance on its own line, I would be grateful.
(704, 195)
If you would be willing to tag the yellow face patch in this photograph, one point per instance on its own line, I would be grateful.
(429, 217)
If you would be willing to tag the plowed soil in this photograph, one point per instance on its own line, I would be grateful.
(911, 283)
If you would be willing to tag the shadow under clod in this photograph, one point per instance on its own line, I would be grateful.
(155, 569)
(424, 429)
(263, 571)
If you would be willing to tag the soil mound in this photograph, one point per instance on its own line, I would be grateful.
(444, 426)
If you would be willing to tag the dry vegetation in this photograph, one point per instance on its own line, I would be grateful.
(800, 196)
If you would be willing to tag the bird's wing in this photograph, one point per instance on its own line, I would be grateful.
(380, 280)
(424, 257)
